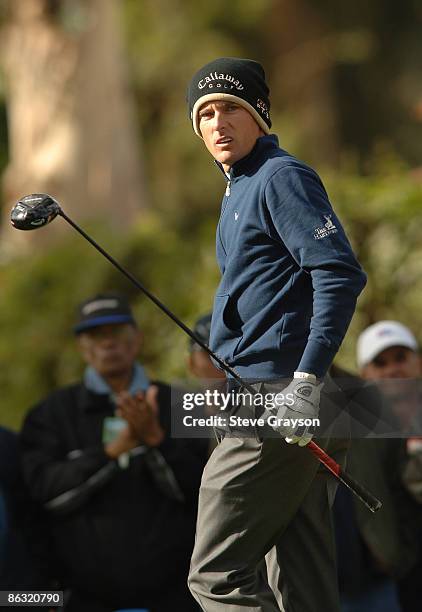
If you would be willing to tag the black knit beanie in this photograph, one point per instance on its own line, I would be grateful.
(231, 78)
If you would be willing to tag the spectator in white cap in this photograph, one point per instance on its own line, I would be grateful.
(388, 352)
(388, 349)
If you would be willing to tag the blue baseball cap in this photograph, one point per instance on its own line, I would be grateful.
(103, 309)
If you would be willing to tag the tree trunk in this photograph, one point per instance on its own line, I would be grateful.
(303, 71)
(72, 130)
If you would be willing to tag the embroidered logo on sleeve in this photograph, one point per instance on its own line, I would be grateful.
(327, 229)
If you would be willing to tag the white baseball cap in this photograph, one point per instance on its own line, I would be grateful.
(380, 336)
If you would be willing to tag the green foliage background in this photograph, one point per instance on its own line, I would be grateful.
(39, 297)
(373, 184)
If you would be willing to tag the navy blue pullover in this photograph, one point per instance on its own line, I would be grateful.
(289, 277)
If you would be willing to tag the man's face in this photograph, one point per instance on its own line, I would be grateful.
(396, 371)
(393, 362)
(110, 349)
(228, 130)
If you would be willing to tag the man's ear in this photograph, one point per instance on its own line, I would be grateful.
(82, 346)
(139, 338)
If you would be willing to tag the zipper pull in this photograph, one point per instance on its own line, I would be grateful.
(228, 189)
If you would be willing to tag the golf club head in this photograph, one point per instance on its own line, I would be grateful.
(34, 211)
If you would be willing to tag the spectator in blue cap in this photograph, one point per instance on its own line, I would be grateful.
(119, 493)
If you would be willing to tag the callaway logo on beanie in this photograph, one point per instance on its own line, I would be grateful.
(230, 78)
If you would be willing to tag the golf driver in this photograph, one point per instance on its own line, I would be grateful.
(39, 209)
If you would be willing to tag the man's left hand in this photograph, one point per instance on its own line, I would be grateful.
(141, 412)
(299, 400)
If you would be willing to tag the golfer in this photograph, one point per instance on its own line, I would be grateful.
(288, 290)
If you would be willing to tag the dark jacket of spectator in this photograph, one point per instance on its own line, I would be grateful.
(371, 547)
(123, 534)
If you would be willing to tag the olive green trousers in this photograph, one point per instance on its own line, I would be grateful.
(263, 497)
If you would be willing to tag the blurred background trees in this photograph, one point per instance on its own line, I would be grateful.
(70, 113)
(93, 110)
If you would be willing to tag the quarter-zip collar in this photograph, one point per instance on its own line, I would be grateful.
(227, 176)
(219, 165)
(252, 160)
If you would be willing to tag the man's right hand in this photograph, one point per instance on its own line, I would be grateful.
(123, 443)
